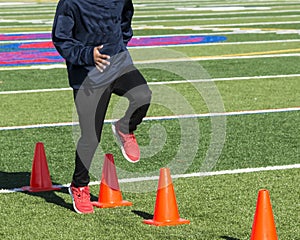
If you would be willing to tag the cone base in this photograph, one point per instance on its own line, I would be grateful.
(111, 205)
(167, 223)
(32, 189)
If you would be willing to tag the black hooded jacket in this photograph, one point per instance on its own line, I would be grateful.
(81, 25)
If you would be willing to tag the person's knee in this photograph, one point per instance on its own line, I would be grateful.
(143, 95)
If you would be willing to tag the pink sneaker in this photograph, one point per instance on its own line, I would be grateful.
(81, 199)
(128, 144)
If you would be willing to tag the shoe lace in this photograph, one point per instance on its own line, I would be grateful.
(82, 193)
(130, 137)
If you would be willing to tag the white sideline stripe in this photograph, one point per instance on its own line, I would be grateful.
(248, 42)
(185, 59)
(174, 45)
(192, 59)
(222, 79)
(211, 19)
(138, 22)
(12, 3)
(232, 24)
(189, 175)
(49, 13)
(35, 91)
(204, 174)
(171, 14)
(162, 83)
(159, 118)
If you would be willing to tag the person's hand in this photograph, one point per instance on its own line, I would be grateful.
(101, 60)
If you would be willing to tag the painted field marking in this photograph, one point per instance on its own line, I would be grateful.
(211, 19)
(235, 171)
(163, 83)
(178, 176)
(44, 52)
(160, 118)
(201, 58)
(260, 53)
(137, 22)
(173, 35)
(52, 57)
(220, 57)
(212, 14)
(231, 30)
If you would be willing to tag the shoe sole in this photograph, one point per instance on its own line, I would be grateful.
(73, 201)
(114, 130)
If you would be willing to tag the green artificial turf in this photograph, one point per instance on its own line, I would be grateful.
(218, 206)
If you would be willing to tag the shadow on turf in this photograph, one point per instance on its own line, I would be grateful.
(144, 215)
(52, 197)
(20, 179)
(229, 238)
(14, 180)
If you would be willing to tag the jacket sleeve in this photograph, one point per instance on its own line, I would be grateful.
(69, 48)
(127, 14)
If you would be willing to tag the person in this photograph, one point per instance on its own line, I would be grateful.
(92, 37)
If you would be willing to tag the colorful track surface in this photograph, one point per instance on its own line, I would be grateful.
(36, 48)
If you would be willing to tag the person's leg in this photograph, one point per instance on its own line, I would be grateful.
(91, 108)
(133, 86)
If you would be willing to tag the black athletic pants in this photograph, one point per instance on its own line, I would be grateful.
(91, 106)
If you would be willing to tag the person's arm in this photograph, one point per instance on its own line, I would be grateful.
(127, 14)
(69, 48)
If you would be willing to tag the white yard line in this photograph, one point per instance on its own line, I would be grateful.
(160, 118)
(204, 27)
(222, 79)
(164, 83)
(138, 15)
(189, 175)
(50, 13)
(29, 26)
(13, 3)
(212, 19)
(221, 57)
(229, 7)
(171, 35)
(185, 59)
(216, 173)
(250, 24)
(249, 42)
(220, 27)
(35, 91)
(34, 12)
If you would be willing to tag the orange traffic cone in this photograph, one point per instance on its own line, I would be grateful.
(110, 195)
(166, 210)
(263, 225)
(40, 178)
